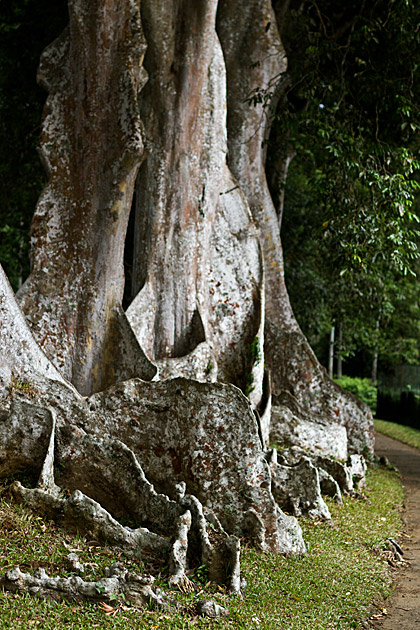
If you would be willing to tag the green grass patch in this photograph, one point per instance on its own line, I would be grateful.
(331, 587)
(408, 435)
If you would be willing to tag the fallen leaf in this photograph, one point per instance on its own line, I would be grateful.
(108, 609)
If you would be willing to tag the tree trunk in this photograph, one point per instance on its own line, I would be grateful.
(288, 356)
(331, 352)
(374, 376)
(92, 143)
(180, 456)
(340, 351)
(198, 264)
(182, 435)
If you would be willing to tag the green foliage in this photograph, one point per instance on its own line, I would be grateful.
(201, 574)
(378, 308)
(17, 384)
(349, 113)
(254, 351)
(254, 356)
(362, 388)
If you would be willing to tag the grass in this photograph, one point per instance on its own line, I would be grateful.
(331, 587)
(408, 435)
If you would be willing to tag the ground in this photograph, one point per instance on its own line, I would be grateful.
(403, 608)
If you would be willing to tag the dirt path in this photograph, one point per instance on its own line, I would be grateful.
(404, 605)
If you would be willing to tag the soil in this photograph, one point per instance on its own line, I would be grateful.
(403, 607)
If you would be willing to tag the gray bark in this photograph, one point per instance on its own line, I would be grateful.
(22, 358)
(297, 489)
(208, 273)
(293, 425)
(118, 585)
(292, 363)
(164, 454)
(92, 143)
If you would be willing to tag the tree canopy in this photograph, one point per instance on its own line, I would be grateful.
(349, 114)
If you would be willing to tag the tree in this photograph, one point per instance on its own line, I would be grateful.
(349, 115)
(137, 99)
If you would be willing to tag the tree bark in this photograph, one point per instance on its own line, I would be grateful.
(198, 264)
(148, 451)
(92, 143)
(331, 352)
(288, 356)
(374, 375)
(180, 456)
(340, 351)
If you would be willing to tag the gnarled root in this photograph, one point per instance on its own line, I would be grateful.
(182, 529)
(119, 582)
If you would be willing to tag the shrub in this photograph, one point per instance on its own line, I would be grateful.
(362, 388)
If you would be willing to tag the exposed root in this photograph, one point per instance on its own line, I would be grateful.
(119, 586)
(118, 583)
(391, 552)
(219, 551)
(80, 513)
(182, 520)
(184, 584)
(178, 556)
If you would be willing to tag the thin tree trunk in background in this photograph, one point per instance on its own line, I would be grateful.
(374, 376)
(340, 351)
(21, 255)
(331, 353)
(278, 182)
